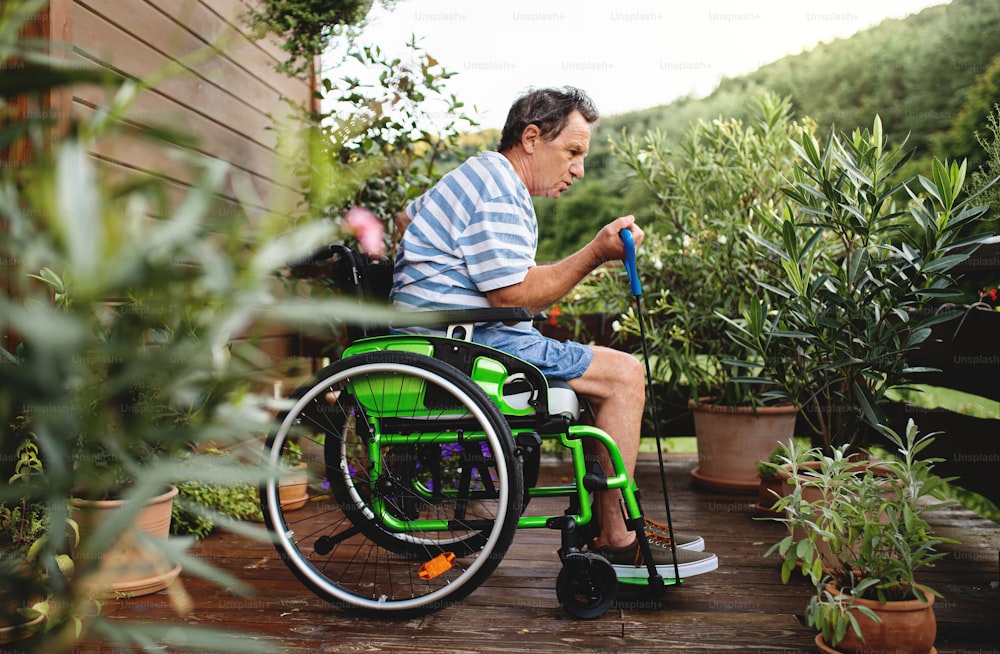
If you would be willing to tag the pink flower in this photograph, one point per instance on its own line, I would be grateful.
(367, 228)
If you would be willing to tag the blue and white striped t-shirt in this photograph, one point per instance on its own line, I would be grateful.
(475, 231)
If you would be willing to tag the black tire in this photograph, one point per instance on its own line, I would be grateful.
(426, 484)
(587, 585)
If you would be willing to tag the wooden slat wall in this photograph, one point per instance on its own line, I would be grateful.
(222, 90)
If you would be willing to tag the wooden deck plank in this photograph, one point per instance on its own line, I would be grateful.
(742, 607)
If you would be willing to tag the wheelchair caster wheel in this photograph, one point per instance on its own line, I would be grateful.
(586, 585)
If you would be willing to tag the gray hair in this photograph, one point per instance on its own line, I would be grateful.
(547, 109)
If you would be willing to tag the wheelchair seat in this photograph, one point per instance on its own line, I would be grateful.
(562, 399)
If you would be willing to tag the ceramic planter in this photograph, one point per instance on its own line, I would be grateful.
(12, 626)
(906, 627)
(733, 440)
(293, 490)
(128, 567)
(769, 488)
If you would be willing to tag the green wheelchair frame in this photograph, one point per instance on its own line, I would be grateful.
(430, 456)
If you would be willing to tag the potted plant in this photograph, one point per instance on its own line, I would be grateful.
(130, 314)
(224, 491)
(293, 487)
(862, 538)
(771, 485)
(218, 489)
(733, 440)
(699, 265)
(863, 260)
(126, 310)
(123, 302)
(110, 407)
(24, 523)
(304, 27)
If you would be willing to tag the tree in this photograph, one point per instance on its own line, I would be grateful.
(963, 140)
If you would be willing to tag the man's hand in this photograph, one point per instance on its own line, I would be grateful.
(545, 285)
(607, 245)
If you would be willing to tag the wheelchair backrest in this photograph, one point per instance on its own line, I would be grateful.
(353, 274)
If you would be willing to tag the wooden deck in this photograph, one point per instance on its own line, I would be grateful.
(742, 607)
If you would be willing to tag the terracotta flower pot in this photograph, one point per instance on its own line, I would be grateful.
(769, 488)
(293, 490)
(785, 481)
(130, 567)
(906, 627)
(14, 627)
(733, 440)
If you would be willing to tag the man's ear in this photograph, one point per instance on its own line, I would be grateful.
(529, 137)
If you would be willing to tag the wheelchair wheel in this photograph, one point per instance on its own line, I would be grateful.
(587, 585)
(424, 492)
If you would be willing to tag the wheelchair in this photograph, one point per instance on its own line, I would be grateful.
(432, 448)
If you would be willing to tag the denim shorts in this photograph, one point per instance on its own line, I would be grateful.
(557, 360)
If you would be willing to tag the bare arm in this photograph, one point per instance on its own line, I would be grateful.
(545, 285)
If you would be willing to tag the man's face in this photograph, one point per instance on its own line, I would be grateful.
(556, 163)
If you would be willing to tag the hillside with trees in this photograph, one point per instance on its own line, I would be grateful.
(932, 77)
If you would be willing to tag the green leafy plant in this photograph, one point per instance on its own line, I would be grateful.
(110, 390)
(778, 456)
(223, 491)
(383, 131)
(379, 136)
(291, 456)
(983, 178)
(377, 141)
(25, 524)
(203, 505)
(133, 305)
(305, 27)
(373, 139)
(104, 458)
(863, 262)
(698, 261)
(861, 525)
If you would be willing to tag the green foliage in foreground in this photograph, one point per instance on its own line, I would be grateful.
(135, 306)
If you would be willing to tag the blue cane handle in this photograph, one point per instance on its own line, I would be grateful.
(633, 274)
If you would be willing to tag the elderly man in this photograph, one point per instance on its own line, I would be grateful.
(470, 243)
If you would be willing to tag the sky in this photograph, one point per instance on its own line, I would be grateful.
(626, 54)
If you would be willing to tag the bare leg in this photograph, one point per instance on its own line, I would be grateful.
(614, 384)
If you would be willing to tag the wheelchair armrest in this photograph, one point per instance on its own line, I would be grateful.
(464, 316)
(321, 255)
